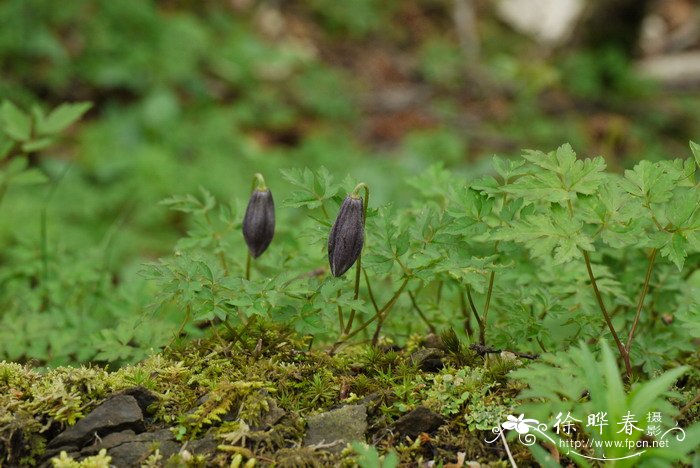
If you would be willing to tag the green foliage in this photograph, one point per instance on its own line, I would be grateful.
(23, 133)
(370, 458)
(101, 460)
(579, 383)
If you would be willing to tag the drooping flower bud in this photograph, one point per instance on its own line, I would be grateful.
(259, 221)
(347, 236)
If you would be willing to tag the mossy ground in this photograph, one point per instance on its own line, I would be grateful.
(228, 390)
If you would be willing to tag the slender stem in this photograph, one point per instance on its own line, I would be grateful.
(44, 260)
(420, 312)
(224, 263)
(465, 314)
(341, 320)
(188, 311)
(620, 347)
(642, 295)
(381, 313)
(324, 211)
(488, 295)
(688, 405)
(371, 294)
(258, 182)
(438, 297)
(358, 271)
(247, 265)
(480, 323)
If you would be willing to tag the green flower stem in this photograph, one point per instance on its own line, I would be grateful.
(620, 347)
(381, 314)
(258, 182)
(188, 312)
(482, 336)
(247, 265)
(420, 313)
(480, 323)
(642, 295)
(371, 294)
(340, 316)
(365, 202)
(465, 313)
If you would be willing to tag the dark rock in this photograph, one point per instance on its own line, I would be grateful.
(274, 415)
(116, 414)
(143, 396)
(373, 402)
(108, 442)
(135, 451)
(428, 359)
(205, 446)
(415, 422)
(334, 429)
(432, 341)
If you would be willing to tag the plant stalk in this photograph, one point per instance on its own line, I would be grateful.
(642, 296)
(479, 322)
(247, 266)
(382, 313)
(420, 313)
(620, 347)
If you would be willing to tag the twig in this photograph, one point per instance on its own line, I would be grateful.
(688, 405)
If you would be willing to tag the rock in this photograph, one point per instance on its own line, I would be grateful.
(143, 396)
(205, 446)
(118, 413)
(274, 415)
(135, 451)
(337, 427)
(674, 71)
(428, 359)
(432, 340)
(108, 442)
(415, 422)
(549, 22)
(373, 402)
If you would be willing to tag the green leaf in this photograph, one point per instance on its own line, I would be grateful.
(15, 123)
(695, 148)
(62, 117)
(544, 235)
(315, 187)
(37, 144)
(558, 176)
(30, 177)
(649, 181)
(5, 146)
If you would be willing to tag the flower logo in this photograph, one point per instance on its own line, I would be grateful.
(519, 424)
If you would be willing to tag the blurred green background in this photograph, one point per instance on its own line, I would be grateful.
(189, 94)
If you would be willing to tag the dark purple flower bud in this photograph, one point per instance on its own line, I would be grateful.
(347, 236)
(259, 221)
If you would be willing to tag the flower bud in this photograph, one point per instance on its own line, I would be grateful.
(347, 236)
(259, 221)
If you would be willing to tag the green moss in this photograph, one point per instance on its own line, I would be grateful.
(101, 460)
(255, 401)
